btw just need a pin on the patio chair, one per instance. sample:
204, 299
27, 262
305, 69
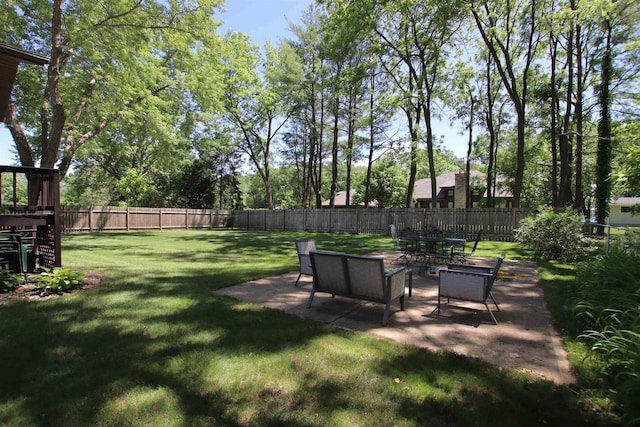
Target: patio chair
407, 248
460, 255
13, 254
469, 283
303, 248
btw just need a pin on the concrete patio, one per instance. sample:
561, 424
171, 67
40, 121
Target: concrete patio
524, 339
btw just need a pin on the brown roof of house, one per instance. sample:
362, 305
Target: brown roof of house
341, 199
422, 188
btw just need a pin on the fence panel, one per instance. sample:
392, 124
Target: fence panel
112, 218
495, 224
142, 219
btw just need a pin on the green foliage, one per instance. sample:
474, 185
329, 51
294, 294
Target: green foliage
135, 189
122, 67
608, 310
388, 184
88, 185
8, 280
59, 279
553, 235
7, 189
628, 175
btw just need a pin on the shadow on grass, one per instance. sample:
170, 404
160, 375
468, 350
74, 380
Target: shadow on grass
154, 346
93, 359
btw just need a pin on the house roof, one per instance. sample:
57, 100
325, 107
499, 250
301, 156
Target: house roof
10, 57
626, 201
341, 199
422, 188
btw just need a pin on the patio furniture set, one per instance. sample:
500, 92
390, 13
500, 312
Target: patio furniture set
365, 277
431, 247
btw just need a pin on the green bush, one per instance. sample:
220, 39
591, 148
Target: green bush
8, 280
59, 279
554, 235
608, 310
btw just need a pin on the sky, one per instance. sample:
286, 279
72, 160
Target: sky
262, 20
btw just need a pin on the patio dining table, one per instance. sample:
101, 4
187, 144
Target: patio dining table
433, 247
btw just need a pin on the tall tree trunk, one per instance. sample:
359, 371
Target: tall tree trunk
492, 136
334, 150
367, 186
554, 107
351, 129
579, 194
566, 150
468, 201
603, 181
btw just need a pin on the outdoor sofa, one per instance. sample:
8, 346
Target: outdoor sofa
358, 277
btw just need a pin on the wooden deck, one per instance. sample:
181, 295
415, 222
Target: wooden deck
39, 220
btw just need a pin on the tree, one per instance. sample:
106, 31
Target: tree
628, 175
106, 60
510, 31
388, 183
255, 109
619, 20
310, 104
413, 35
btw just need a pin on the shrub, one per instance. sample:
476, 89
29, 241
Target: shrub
554, 235
8, 280
60, 279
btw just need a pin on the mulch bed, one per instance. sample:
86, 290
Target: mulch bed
30, 292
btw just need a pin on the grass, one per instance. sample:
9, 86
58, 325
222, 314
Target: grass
153, 346
559, 283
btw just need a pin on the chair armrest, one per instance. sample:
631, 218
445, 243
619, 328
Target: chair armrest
393, 272
470, 272
395, 283
471, 268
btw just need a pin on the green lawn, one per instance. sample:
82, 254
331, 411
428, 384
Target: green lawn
152, 346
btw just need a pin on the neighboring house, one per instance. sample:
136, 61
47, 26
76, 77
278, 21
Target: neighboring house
620, 211
451, 190
341, 200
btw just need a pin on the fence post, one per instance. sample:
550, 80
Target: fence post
126, 219
186, 218
91, 218
160, 218
330, 220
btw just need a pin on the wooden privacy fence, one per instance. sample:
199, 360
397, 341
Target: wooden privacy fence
106, 218
495, 224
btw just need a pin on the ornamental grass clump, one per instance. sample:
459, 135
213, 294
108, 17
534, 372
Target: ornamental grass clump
554, 235
608, 311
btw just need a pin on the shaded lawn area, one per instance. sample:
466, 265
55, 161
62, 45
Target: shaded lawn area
153, 346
